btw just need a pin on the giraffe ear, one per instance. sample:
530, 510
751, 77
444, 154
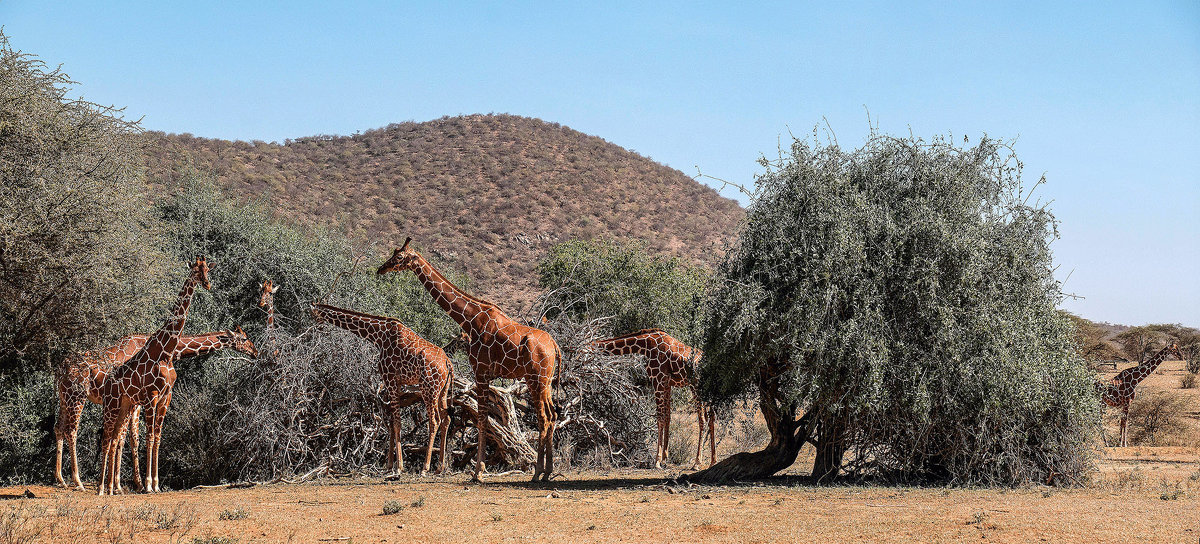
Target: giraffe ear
274, 288
406, 241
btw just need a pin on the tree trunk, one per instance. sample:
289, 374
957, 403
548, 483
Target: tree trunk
788, 435
831, 447
506, 439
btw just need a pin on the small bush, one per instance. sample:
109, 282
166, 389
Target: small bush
1188, 381
1157, 419
213, 539
418, 503
681, 450
234, 514
392, 507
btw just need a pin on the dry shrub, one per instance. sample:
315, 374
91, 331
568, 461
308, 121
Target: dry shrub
1158, 419
1188, 381
681, 450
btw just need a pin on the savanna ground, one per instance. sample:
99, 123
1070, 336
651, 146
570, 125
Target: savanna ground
1138, 494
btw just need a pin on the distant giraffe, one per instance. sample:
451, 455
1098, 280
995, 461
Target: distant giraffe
145, 380
669, 363
267, 301
1120, 389
497, 347
79, 380
405, 359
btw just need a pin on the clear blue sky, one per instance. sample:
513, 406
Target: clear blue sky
1103, 99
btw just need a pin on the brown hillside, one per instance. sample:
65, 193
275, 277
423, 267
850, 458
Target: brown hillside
489, 193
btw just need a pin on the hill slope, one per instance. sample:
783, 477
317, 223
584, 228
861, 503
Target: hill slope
489, 193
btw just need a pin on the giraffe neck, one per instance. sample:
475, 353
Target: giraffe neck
166, 339
182, 303
364, 326
270, 314
191, 346
1147, 368
461, 307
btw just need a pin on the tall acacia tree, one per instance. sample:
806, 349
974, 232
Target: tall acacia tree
77, 261
895, 306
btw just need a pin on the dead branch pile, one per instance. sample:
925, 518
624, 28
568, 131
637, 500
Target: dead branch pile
313, 400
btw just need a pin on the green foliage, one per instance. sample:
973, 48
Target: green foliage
206, 428
590, 279
248, 245
77, 264
1139, 343
902, 293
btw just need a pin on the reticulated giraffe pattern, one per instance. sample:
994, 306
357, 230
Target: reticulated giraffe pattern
669, 364
266, 300
1121, 389
79, 380
405, 359
497, 347
145, 380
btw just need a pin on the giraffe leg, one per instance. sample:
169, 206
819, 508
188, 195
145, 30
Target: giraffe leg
72, 438
390, 458
160, 414
444, 424
397, 435
548, 419
120, 458
434, 423
539, 467
59, 436
662, 402
1125, 426
712, 436
106, 435
481, 387
133, 447
58, 453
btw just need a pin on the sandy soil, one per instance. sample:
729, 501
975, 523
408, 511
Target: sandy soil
1141, 495
1138, 494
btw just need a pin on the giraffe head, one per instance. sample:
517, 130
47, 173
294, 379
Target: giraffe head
240, 342
403, 259
268, 294
200, 270
1173, 349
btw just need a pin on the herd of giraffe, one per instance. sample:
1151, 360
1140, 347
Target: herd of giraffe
135, 378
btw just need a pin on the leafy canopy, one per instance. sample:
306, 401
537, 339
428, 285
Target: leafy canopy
590, 279
903, 293
78, 264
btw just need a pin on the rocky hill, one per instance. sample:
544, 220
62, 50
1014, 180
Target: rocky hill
488, 193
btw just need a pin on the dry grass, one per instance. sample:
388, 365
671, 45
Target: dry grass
1150, 497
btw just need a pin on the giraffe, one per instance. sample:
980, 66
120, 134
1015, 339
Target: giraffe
405, 359
267, 301
497, 347
1120, 389
669, 363
145, 380
79, 380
